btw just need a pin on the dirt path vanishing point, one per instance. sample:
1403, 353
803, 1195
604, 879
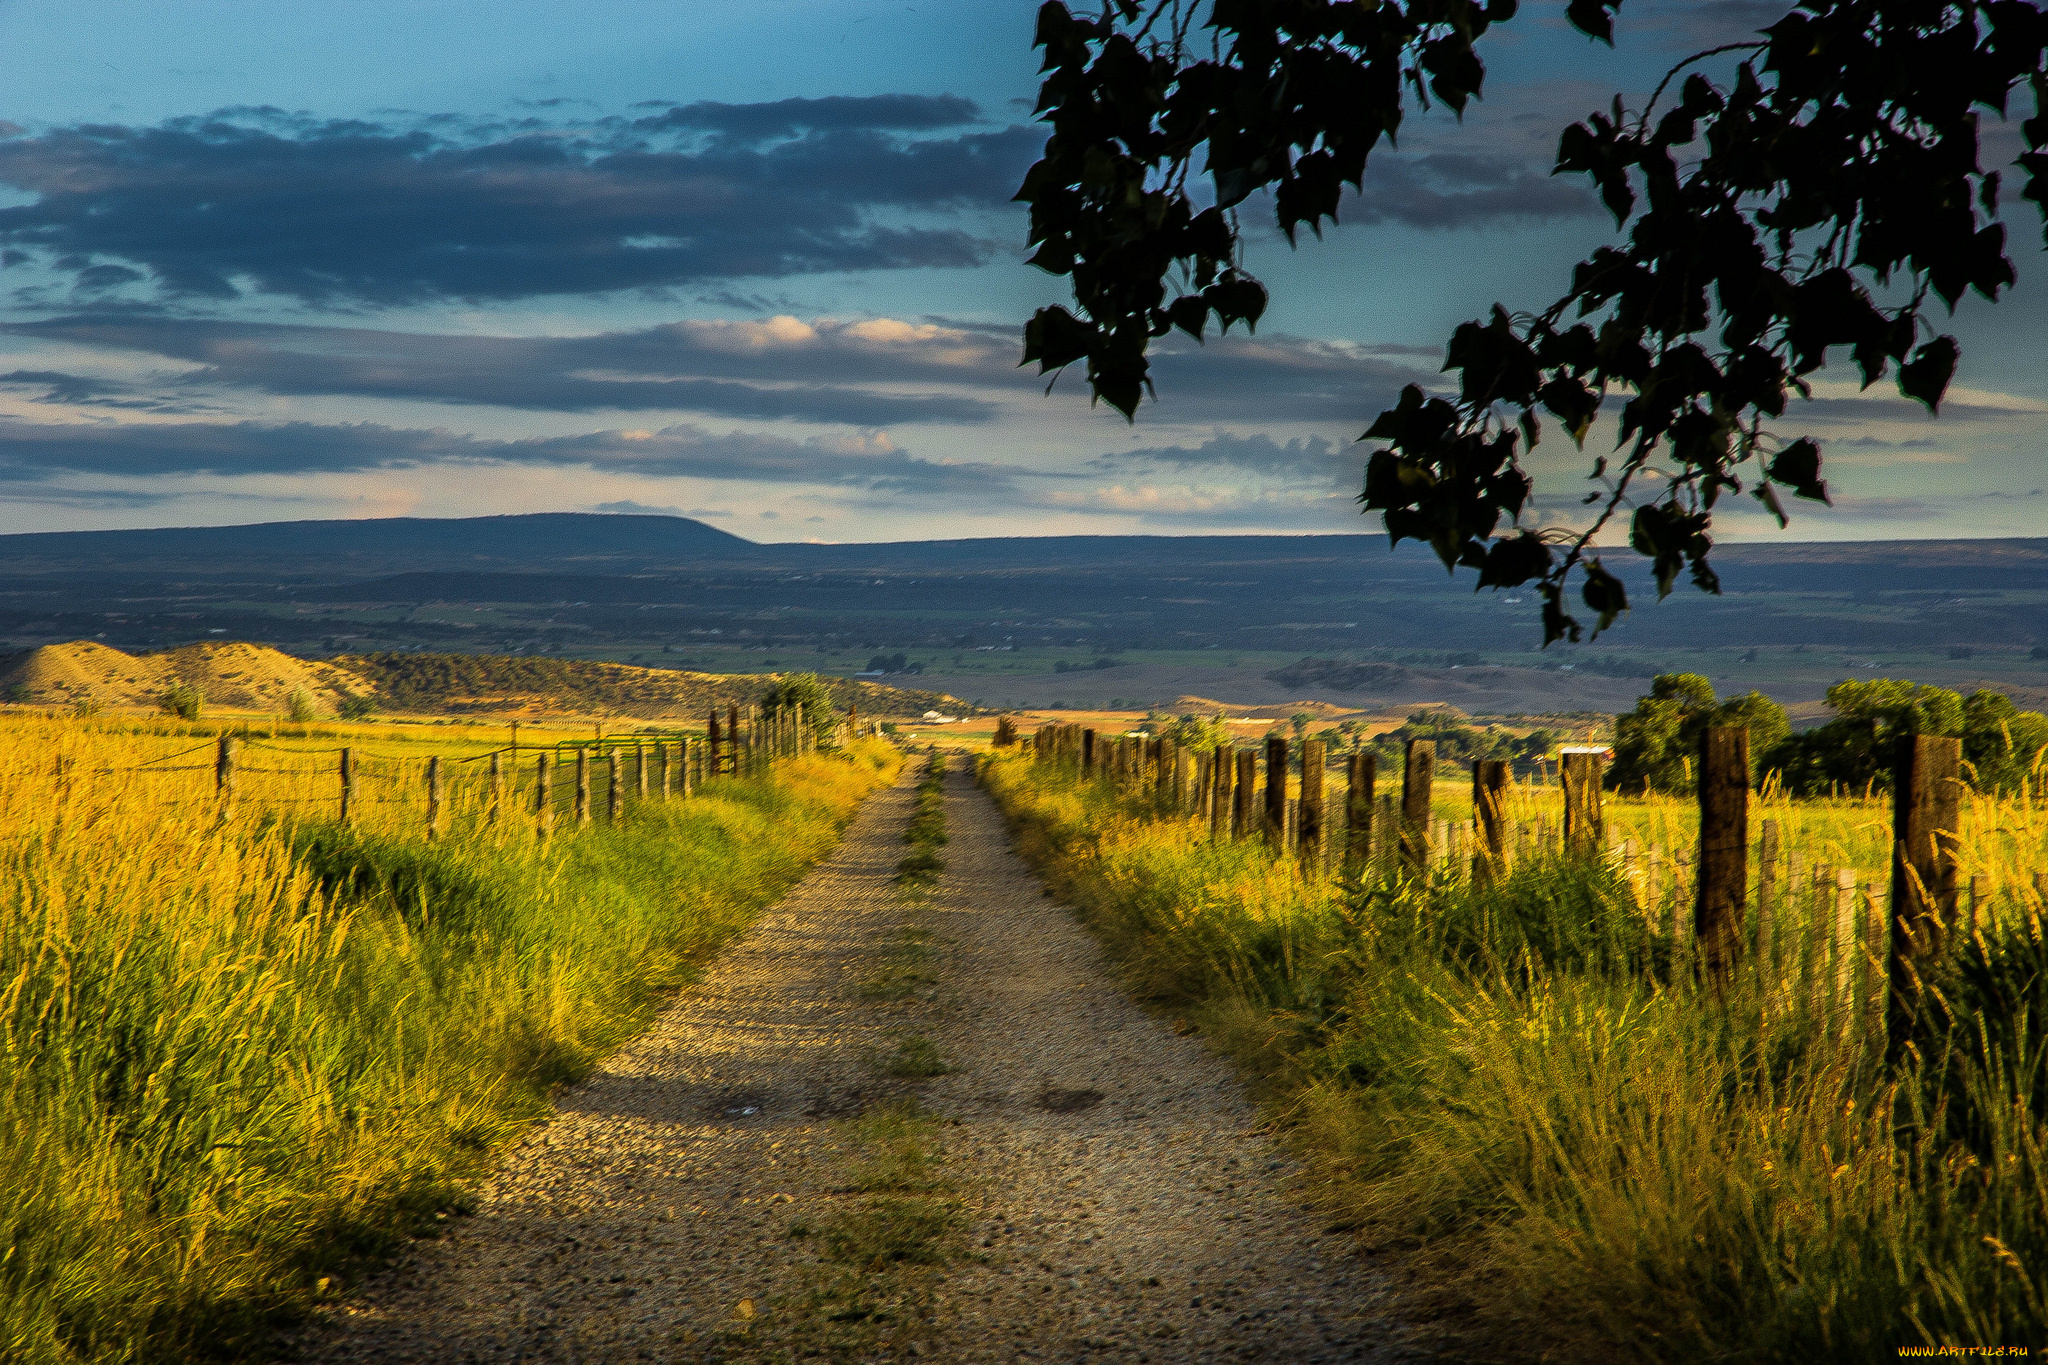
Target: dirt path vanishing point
1118, 1203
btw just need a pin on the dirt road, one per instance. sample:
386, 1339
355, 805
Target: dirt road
1116, 1200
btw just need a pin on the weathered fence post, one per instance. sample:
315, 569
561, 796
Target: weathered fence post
1244, 792
348, 785
1848, 943
434, 797
224, 770
614, 789
544, 791
495, 787
1926, 811
1416, 781
1222, 786
1087, 753
639, 770
667, 778
582, 807
1360, 771
1489, 794
1766, 886
1722, 884
1276, 791
711, 742
1309, 827
1583, 826
732, 739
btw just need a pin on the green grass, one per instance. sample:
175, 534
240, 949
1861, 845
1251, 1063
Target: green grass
919, 869
245, 1059
1587, 1152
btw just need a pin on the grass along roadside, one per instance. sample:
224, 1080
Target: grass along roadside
1518, 1083
248, 1056
883, 1248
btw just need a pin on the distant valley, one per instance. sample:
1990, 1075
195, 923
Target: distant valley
1129, 621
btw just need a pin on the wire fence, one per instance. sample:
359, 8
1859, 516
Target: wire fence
52, 763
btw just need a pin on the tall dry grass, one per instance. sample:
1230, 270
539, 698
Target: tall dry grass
245, 1054
1528, 1083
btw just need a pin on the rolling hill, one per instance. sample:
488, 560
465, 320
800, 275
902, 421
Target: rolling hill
236, 676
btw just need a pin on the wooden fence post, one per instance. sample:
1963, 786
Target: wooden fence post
667, 788
582, 807
348, 785
1583, 825
711, 741
639, 770
1309, 826
496, 786
1416, 781
434, 797
1276, 791
1848, 943
614, 789
544, 791
1244, 792
1360, 771
1766, 886
224, 770
1087, 753
1489, 794
732, 739
1927, 806
1722, 884
1222, 785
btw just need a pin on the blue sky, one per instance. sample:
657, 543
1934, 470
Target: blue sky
754, 262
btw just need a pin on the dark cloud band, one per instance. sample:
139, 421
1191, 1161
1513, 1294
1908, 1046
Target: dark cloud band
384, 214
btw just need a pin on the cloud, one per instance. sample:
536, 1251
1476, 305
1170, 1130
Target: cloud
866, 372
626, 507
828, 371
386, 213
1311, 461
867, 462
1450, 189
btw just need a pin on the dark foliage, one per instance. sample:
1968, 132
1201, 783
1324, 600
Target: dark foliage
1657, 744
1838, 156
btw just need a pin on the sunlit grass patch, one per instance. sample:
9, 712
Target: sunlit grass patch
246, 1054
1531, 1082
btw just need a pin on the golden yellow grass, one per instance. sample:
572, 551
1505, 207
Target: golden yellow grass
244, 1053
1589, 1153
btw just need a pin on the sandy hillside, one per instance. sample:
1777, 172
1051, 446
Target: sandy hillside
1344, 687
234, 675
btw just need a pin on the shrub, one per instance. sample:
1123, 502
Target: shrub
183, 701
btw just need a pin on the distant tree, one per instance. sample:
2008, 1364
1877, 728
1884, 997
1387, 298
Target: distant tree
183, 701
1199, 732
354, 707
1657, 744
808, 691
2002, 745
20, 694
1299, 722
299, 707
1839, 154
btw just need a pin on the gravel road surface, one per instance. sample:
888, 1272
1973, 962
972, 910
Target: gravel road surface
1122, 1204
